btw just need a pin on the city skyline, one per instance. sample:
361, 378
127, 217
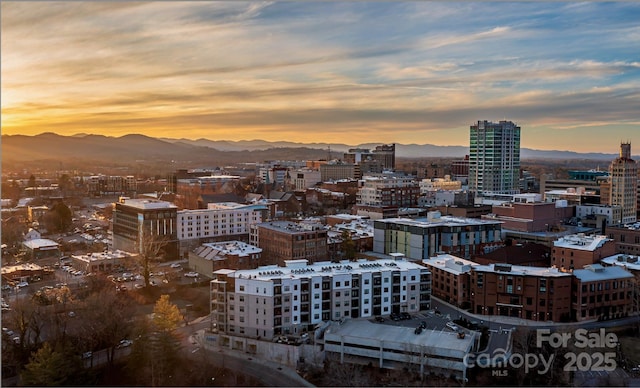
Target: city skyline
344, 72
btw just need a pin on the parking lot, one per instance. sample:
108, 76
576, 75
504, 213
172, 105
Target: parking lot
432, 319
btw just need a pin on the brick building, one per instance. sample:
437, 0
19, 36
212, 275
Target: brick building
284, 240
538, 294
577, 250
450, 278
626, 238
601, 292
211, 257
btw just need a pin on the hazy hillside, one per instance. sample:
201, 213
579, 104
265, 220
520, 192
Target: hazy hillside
17, 149
136, 148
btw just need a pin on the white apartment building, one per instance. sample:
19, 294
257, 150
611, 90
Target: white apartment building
226, 221
273, 300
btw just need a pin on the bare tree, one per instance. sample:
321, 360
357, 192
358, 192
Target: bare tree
105, 318
151, 250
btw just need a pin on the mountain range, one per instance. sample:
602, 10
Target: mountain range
134, 147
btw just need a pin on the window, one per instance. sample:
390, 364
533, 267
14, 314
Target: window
241, 288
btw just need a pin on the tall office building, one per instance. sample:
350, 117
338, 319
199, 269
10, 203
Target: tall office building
624, 184
494, 158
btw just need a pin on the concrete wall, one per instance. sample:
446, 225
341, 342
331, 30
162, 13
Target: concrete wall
284, 354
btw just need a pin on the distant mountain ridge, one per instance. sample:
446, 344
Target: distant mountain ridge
133, 147
402, 150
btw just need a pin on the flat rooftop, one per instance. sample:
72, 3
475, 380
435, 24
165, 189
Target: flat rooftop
450, 263
629, 262
581, 242
147, 204
302, 270
214, 251
521, 270
596, 272
364, 330
438, 221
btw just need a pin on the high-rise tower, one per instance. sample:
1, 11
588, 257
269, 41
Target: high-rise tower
494, 158
624, 184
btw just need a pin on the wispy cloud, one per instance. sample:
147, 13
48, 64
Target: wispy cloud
393, 71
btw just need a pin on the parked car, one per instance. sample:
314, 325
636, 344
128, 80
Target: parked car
405, 316
191, 274
86, 355
22, 284
175, 265
452, 326
379, 319
124, 343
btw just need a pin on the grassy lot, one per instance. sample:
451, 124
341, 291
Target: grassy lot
191, 299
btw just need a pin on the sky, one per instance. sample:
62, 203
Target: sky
338, 72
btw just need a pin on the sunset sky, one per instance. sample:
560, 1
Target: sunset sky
344, 72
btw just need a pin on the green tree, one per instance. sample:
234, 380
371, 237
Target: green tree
58, 218
53, 367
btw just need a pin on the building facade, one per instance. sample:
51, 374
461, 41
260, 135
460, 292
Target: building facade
210, 257
138, 220
291, 299
627, 238
283, 240
539, 294
494, 158
388, 191
420, 239
221, 221
334, 171
624, 184
450, 279
601, 292
578, 250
